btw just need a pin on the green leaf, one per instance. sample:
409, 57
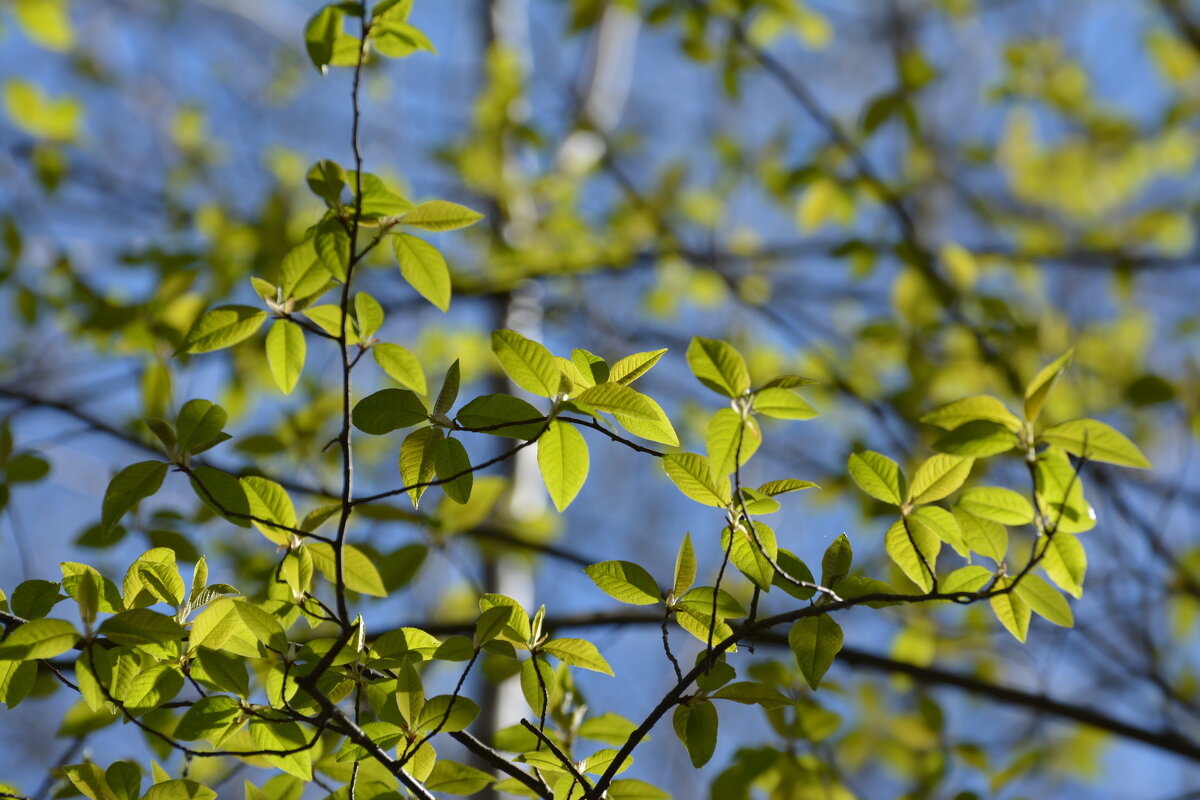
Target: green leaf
378, 200
971, 409
1095, 441
563, 459
142, 626
38, 638
625, 581
1012, 611
454, 778
718, 366
130, 486
968, 579
982, 536
152, 687
911, 549
451, 713
325, 178
785, 485
440, 215
815, 641
590, 367
518, 629
940, 523
89, 780
418, 460
1060, 492
538, 684
502, 415
658, 429
35, 598
423, 266
979, 439
836, 562
179, 790
999, 505
696, 726
753, 561
449, 391
1065, 562
1041, 386
320, 34
752, 693
225, 672
209, 718
270, 502
451, 459
685, 568
632, 367
617, 399
578, 653
937, 477
878, 476
283, 735
222, 327
124, 779
530, 365
360, 573
633, 789
328, 318
1045, 600
693, 475
490, 623
401, 366
388, 410
332, 245
798, 570
286, 351
730, 439
221, 492
198, 424
782, 404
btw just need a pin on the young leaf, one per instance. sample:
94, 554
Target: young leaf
400, 365
731, 440
449, 391
440, 215
626, 582
785, 485
369, 315
937, 477
418, 460
388, 410
878, 476
657, 429
451, 459
127, 488
1060, 492
915, 550
982, 536
835, 564
325, 178
979, 439
320, 33
502, 415
1095, 441
940, 523
589, 366
423, 266
685, 567
563, 460
1045, 601
999, 505
222, 327
454, 778
38, 638
578, 653
969, 409
269, 501
752, 560
1041, 386
718, 366
696, 726
1012, 611
617, 399
198, 424
530, 365
782, 404
815, 641
632, 367
1065, 561
693, 475
286, 352
283, 735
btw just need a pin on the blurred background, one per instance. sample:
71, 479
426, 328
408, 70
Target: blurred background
908, 200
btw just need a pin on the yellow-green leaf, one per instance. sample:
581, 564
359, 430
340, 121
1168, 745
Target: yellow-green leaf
286, 351
423, 266
563, 460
